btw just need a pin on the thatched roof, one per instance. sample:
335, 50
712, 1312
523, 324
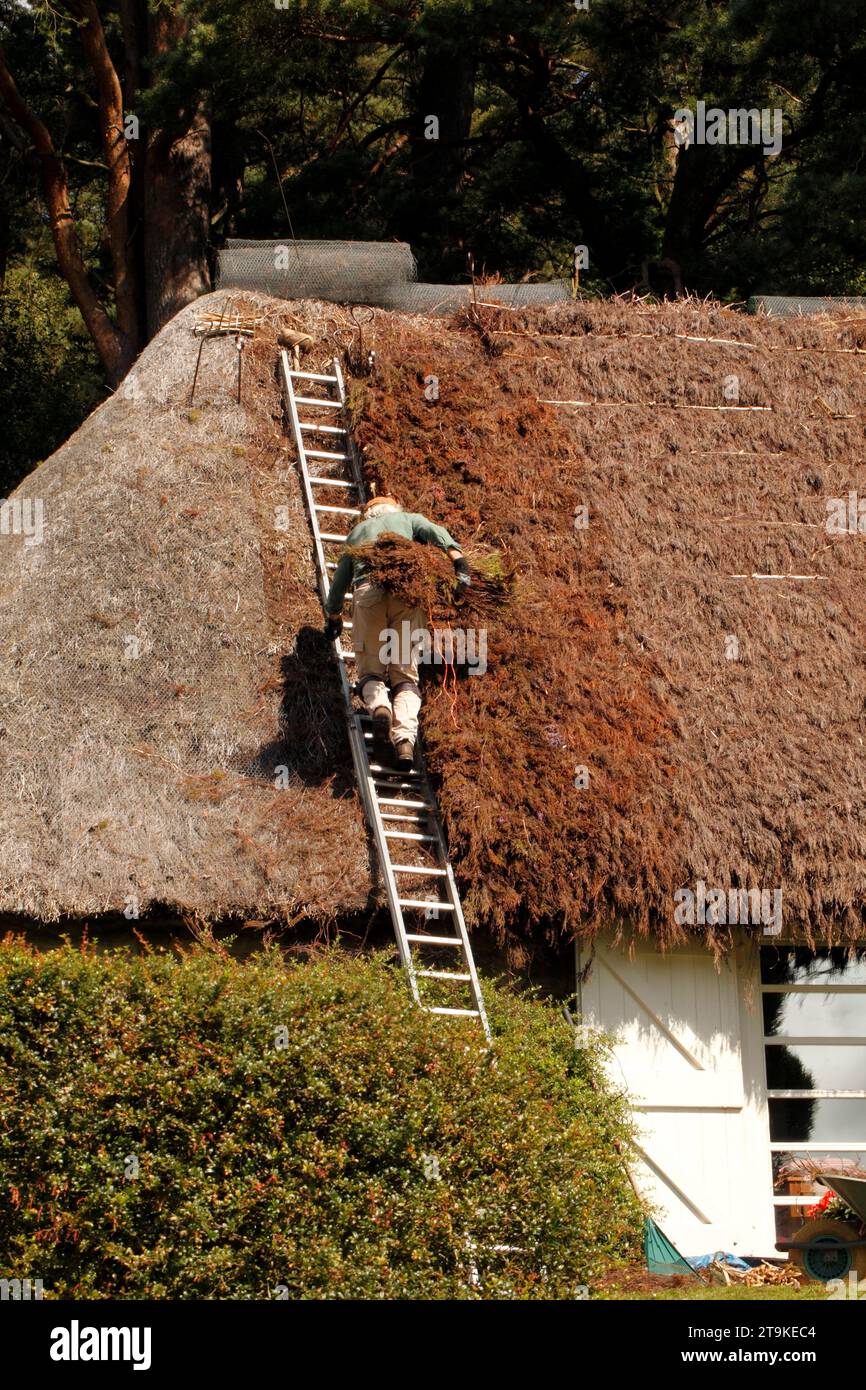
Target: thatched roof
159, 665
721, 719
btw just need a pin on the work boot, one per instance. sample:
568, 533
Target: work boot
382, 723
404, 751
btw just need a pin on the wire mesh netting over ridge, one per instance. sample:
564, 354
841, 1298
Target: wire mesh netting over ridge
380, 273
794, 306
343, 271
440, 299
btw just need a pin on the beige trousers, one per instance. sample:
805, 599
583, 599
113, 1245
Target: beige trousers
382, 628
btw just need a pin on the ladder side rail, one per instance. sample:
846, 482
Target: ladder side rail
462, 932
458, 920
374, 820
453, 895
289, 393
351, 446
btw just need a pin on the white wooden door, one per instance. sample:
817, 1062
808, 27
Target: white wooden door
687, 1049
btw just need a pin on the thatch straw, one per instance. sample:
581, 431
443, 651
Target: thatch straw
739, 772
611, 651
162, 660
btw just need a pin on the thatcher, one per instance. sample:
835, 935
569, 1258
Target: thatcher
651, 717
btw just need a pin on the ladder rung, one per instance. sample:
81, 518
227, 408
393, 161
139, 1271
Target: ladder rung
314, 376
333, 482
331, 536
314, 400
387, 815
442, 975
324, 454
436, 940
426, 902
419, 869
346, 511
407, 834
346, 656
330, 564
390, 771
325, 429
395, 801
454, 1013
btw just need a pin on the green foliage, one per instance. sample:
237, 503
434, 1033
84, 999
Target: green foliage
304, 1158
49, 375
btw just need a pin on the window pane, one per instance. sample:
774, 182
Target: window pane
782, 965
817, 1015
794, 1173
816, 1068
828, 1120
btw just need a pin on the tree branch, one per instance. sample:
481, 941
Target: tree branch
55, 187
116, 150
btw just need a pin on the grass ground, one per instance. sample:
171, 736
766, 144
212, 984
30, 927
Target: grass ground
636, 1283
719, 1294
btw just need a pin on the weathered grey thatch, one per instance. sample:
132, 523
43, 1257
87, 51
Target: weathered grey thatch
145, 649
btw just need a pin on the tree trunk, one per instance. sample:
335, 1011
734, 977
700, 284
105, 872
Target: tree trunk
177, 197
116, 150
4, 240
177, 229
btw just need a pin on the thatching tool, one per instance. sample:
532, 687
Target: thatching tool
297, 342
239, 345
195, 377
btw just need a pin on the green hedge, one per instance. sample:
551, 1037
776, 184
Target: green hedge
199, 1128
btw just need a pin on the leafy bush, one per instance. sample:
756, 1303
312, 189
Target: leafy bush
199, 1128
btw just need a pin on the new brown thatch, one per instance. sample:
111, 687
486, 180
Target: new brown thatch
719, 717
172, 732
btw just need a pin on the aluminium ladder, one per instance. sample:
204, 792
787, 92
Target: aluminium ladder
400, 806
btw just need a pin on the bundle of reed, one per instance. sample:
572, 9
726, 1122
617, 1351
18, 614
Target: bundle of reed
424, 577
210, 323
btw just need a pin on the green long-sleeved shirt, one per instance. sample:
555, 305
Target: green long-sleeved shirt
412, 525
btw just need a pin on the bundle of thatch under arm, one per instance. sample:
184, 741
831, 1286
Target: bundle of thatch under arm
424, 577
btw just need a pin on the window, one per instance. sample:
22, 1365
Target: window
814, 1005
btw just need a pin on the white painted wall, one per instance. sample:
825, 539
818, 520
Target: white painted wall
689, 1051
